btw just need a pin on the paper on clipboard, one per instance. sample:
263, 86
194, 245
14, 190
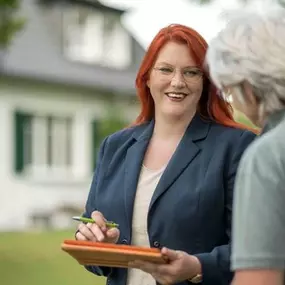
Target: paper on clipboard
112, 255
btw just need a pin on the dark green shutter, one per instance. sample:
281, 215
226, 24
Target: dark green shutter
95, 142
20, 119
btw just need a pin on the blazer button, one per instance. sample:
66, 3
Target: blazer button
124, 241
156, 244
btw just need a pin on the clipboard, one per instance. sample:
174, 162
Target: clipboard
111, 255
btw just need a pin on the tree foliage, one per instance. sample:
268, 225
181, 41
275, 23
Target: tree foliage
112, 123
10, 21
281, 2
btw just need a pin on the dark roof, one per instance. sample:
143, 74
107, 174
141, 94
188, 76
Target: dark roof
36, 53
91, 3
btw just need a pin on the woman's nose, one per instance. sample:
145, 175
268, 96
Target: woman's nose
178, 80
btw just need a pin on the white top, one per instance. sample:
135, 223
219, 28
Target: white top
147, 183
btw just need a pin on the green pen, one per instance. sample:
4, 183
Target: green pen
109, 224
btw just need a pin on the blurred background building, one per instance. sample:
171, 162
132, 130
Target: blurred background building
67, 80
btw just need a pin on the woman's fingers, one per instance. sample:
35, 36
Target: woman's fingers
99, 220
85, 231
80, 236
97, 232
113, 234
94, 233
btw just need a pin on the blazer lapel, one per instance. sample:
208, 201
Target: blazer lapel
186, 151
133, 162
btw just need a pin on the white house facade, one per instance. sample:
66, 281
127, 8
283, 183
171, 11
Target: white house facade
51, 104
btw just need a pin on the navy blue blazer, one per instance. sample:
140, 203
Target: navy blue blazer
191, 208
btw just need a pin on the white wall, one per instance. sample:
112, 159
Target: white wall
20, 196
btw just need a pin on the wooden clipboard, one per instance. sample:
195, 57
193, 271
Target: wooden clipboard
112, 255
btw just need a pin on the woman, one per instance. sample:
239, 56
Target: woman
168, 180
247, 60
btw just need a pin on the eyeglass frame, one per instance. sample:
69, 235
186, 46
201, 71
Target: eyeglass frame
200, 75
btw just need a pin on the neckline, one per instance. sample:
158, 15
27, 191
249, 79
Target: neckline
154, 170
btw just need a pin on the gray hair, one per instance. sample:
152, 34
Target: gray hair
252, 48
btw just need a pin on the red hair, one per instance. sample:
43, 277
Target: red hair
211, 105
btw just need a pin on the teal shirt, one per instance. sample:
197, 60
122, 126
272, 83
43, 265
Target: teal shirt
259, 201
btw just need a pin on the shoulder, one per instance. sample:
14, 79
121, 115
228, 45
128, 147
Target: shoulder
263, 164
127, 133
233, 139
123, 136
266, 154
260, 181
231, 133
274, 139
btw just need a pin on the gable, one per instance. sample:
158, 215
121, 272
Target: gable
90, 57
94, 36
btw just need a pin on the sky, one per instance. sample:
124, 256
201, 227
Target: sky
146, 17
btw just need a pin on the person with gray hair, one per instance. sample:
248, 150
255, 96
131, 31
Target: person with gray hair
247, 61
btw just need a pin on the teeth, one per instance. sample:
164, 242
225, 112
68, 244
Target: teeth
175, 95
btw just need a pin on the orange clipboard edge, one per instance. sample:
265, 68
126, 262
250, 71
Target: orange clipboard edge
112, 255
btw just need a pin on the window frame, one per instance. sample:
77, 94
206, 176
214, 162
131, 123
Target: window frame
103, 59
24, 163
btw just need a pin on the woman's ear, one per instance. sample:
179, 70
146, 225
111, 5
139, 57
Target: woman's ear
147, 83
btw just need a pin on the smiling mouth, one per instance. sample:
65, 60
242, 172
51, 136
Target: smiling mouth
176, 95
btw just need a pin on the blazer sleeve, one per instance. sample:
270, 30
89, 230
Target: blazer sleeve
216, 264
91, 206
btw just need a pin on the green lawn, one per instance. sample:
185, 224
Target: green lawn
37, 259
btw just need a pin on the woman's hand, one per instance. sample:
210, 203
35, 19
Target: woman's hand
181, 266
97, 231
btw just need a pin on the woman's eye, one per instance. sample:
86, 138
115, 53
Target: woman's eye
165, 70
191, 72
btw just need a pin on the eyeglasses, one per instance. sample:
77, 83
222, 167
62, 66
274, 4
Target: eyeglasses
189, 75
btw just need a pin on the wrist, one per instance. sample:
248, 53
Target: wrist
196, 266
196, 272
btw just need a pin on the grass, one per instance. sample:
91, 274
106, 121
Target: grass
36, 258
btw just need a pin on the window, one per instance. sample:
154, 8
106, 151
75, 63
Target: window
42, 144
95, 37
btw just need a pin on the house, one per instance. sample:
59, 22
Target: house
72, 66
